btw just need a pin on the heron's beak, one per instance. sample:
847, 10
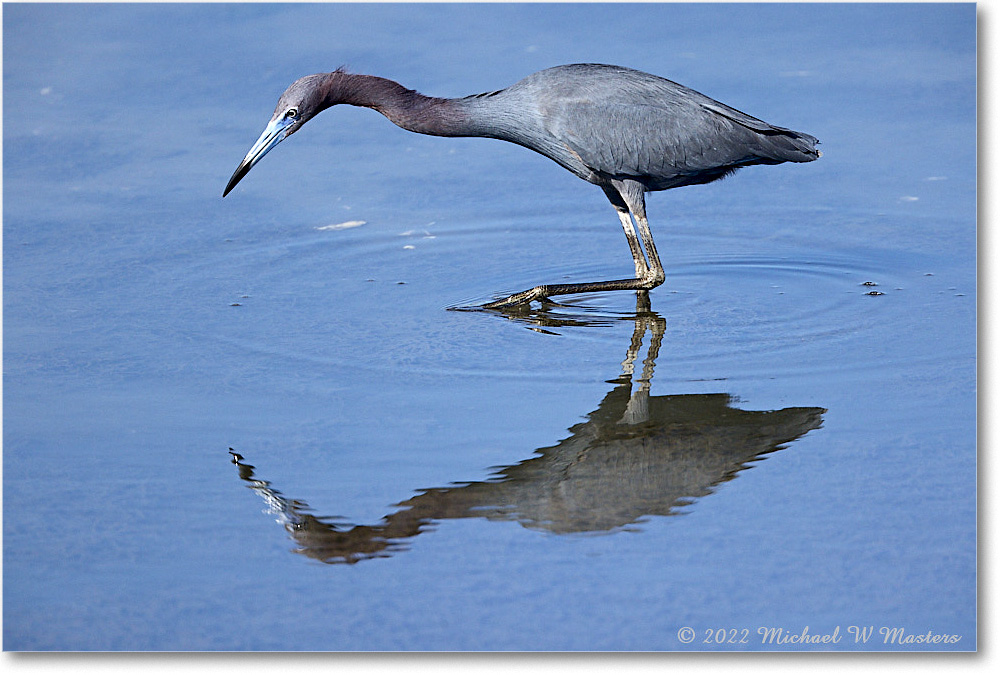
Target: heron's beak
274, 133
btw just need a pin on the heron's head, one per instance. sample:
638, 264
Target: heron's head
301, 102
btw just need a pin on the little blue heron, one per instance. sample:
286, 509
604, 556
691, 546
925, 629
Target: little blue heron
626, 131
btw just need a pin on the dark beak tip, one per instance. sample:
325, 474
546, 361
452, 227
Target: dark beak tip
241, 171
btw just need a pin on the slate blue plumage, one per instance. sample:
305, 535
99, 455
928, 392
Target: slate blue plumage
623, 130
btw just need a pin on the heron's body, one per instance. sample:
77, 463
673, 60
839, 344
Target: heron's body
626, 131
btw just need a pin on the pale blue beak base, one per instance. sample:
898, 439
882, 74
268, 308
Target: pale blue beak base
274, 133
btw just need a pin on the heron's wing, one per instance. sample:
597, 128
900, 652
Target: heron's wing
664, 134
654, 142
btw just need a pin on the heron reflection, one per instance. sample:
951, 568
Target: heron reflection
634, 457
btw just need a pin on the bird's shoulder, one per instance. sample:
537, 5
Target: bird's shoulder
599, 83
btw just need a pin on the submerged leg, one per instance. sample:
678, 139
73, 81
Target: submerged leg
626, 196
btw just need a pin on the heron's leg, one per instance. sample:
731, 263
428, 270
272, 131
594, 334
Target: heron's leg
641, 268
626, 196
656, 267
621, 208
632, 194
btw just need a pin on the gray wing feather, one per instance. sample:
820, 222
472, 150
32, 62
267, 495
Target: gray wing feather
648, 140
622, 122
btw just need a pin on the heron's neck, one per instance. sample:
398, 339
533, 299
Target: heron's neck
404, 107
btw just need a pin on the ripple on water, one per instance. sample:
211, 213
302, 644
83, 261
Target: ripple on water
323, 296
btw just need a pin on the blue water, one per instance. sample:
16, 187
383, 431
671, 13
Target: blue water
771, 449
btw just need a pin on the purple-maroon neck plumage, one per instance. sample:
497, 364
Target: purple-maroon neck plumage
404, 107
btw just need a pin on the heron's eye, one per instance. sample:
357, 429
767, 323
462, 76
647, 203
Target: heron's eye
291, 113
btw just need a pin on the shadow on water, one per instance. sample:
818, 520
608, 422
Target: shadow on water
636, 456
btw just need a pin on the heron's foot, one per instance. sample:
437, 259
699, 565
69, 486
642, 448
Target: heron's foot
539, 293
647, 282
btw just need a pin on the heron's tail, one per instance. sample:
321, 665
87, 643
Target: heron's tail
785, 145
774, 145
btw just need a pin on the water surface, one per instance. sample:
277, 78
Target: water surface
783, 438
